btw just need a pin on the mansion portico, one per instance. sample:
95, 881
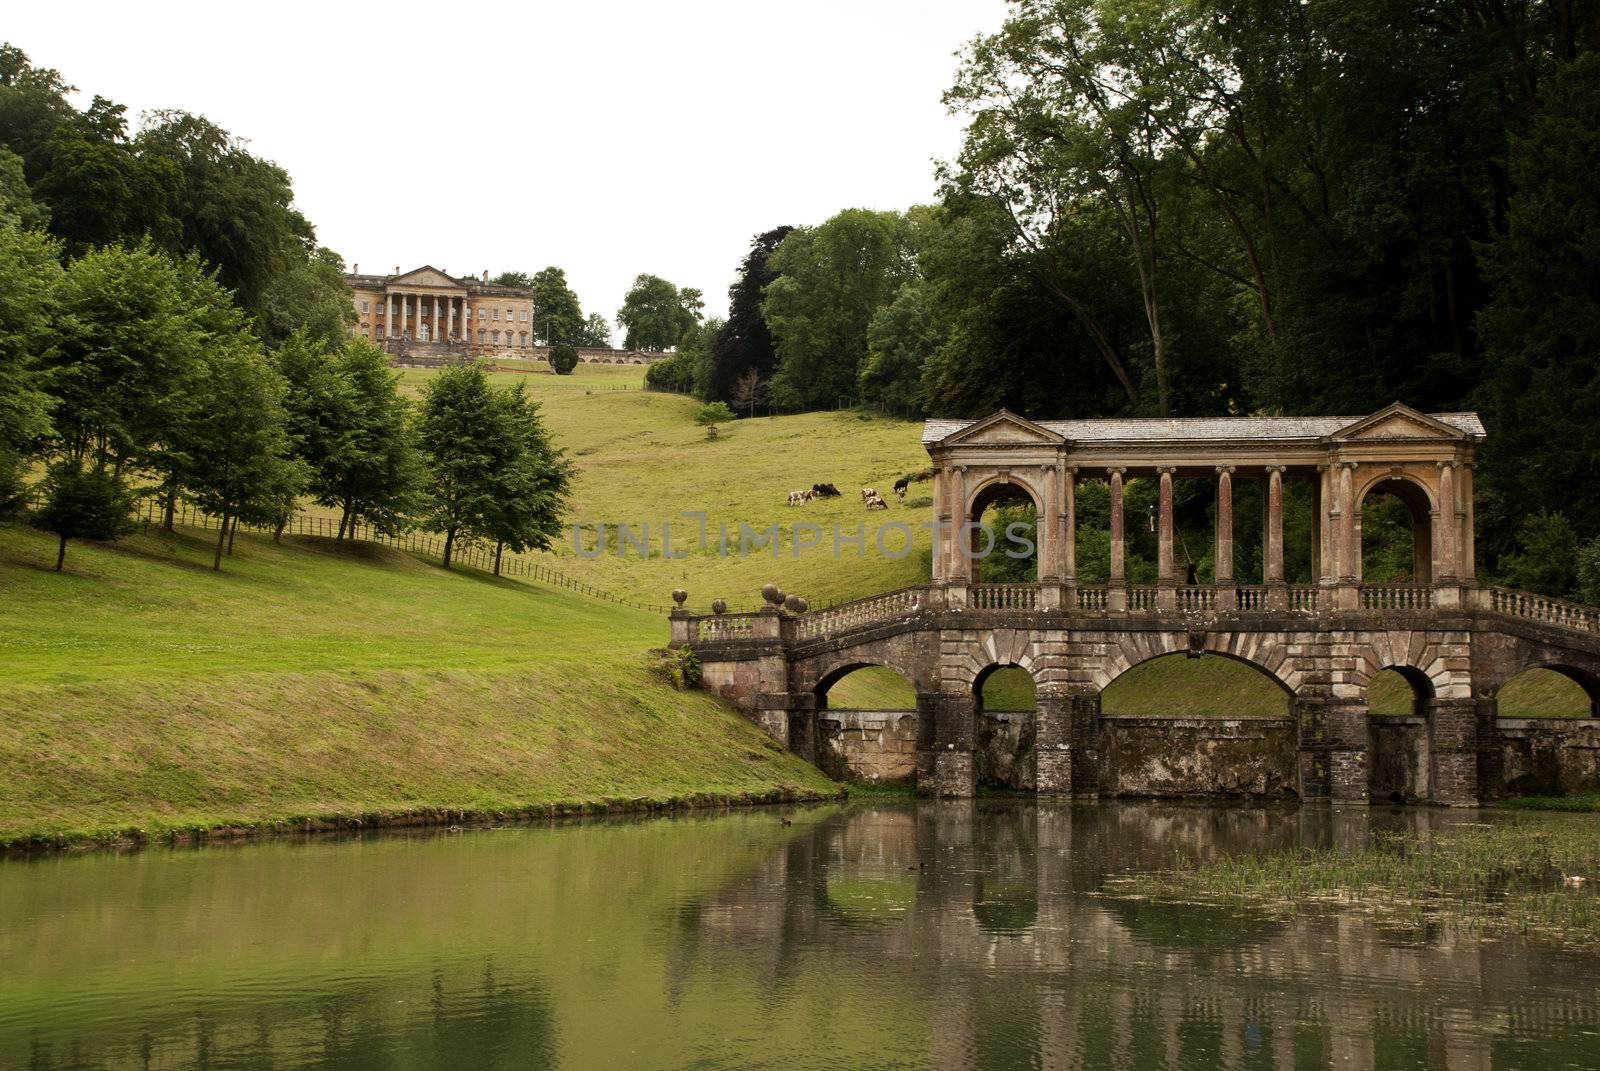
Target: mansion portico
429, 311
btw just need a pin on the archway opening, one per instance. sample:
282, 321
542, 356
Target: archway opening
867, 725
1396, 534
1179, 686
1397, 735
1004, 699
1005, 544
1548, 692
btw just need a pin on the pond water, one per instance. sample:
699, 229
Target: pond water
936, 935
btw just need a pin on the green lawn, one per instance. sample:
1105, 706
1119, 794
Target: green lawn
144, 690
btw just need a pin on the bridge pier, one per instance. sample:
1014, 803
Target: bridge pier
1453, 747
946, 763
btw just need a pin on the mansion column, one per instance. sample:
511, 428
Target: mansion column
1117, 593
1166, 560
388, 316
1272, 557
450, 328
1227, 592
405, 316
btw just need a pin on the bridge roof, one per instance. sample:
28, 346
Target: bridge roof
1200, 429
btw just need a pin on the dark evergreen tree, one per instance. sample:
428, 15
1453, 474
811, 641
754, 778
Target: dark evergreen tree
744, 343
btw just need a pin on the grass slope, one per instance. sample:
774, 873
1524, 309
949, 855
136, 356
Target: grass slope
144, 690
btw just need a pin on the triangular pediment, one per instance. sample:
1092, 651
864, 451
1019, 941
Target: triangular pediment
1002, 429
1397, 422
427, 275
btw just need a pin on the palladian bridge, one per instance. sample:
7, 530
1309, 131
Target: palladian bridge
1455, 642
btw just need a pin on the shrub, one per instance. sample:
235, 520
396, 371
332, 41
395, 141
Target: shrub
1547, 558
713, 413
1589, 572
83, 503
675, 373
919, 503
563, 358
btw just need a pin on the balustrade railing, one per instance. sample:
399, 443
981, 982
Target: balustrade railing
1396, 597
723, 627
1195, 599
1091, 598
861, 612
1004, 596
1544, 609
1141, 598
1251, 597
1303, 598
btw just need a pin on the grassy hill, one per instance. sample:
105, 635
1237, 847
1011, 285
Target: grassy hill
143, 690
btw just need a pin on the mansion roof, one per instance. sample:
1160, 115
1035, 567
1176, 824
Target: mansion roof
1395, 421
428, 277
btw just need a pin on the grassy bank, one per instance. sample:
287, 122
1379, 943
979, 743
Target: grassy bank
145, 692
1525, 875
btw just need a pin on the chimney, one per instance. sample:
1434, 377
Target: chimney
486, 275
397, 269
355, 269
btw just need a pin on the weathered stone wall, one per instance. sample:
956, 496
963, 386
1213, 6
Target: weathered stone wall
1005, 750
878, 746
1543, 756
1397, 758
1230, 757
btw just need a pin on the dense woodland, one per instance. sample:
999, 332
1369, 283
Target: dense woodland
1218, 207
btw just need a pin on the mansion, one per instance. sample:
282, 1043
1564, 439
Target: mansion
426, 311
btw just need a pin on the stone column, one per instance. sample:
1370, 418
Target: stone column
1069, 538
1317, 527
1166, 559
1272, 558
1491, 756
1453, 748
1045, 527
1227, 591
1447, 528
388, 316
1052, 749
1347, 539
1117, 594
1467, 566
945, 765
433, 327
450, 327
960, 540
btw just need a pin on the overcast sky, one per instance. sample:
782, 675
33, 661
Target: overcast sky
609, 138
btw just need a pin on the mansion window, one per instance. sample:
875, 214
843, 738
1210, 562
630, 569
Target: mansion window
482, 334
480, 314
523, 315
366, 306
497, 314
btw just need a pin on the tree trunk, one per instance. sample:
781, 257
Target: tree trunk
233, 530
222, 536
449, 545
497, 547
277, 534
172, 506
61, 554
344, 522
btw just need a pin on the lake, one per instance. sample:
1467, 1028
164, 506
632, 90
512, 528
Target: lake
954, 934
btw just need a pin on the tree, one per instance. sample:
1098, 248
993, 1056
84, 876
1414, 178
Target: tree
351, 426
744, 344
234, 447
532, 478
655, 314
831, 280
694, 350
30, 281
596, 332
83, 503
309, 295
710, 415
457, 432
901, 336
563, 359
749, 391
557, 317
17, 206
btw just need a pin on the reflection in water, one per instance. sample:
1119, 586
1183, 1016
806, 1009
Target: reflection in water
942, 935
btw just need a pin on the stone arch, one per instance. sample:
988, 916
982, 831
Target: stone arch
1586, 679
976, 653
843, 668
1443, 660
876, 744
1399, 747
989, 491
1265, 652
1420, 502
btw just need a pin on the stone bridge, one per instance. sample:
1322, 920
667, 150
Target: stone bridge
1322, 642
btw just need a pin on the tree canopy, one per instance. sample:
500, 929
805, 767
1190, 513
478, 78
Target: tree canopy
655, 314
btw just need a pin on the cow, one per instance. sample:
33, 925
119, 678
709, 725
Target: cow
797, 497
825, 490
876, 503
868, 494
900, 486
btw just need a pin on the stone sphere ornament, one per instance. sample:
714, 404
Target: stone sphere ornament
679, 595
719, 606
795, 604
772, 594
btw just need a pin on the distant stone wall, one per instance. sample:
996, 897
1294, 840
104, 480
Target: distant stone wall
1226, 757
878, 746
1547, 756
1397, 757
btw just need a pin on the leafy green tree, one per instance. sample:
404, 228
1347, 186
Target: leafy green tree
83, 503
675, 373
563, 358
234, 447
98, 188
1546, 558
520, 279
710, 415
350, 424
655, 314
900, 338
744, 344
457, 432
30, 282
17, 206
557, 317
596, 332
832, 279
695, 350
309, 295
531, 483
1589, 572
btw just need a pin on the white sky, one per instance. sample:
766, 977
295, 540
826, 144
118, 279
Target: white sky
609, 138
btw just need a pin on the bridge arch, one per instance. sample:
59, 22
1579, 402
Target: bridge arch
875, 738
1587, 680
999, 490
1128, 650
1418, 500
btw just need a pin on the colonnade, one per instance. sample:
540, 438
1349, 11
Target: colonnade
407, 314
